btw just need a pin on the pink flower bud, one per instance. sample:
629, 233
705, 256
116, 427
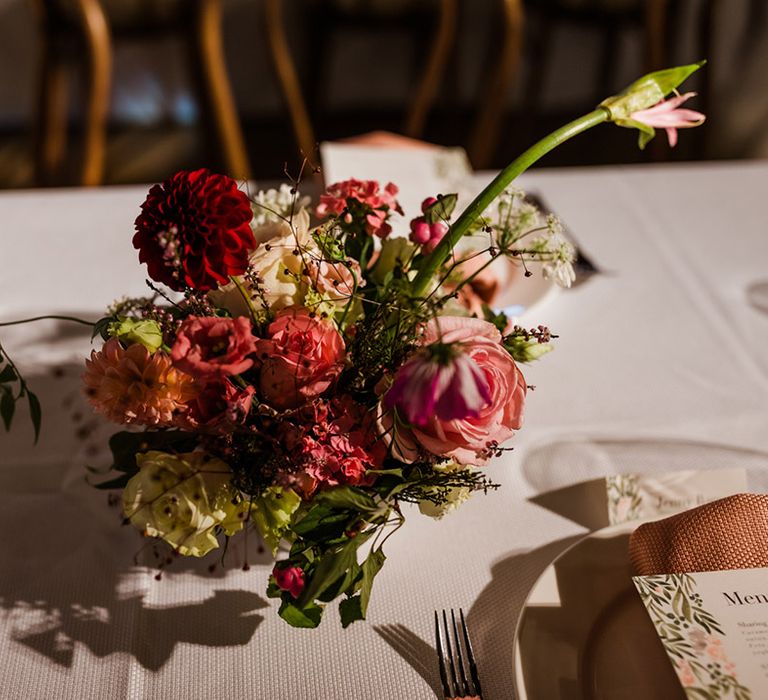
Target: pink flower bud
427, 203
420, 231
290, 579
347, 218
436, 233
437, 230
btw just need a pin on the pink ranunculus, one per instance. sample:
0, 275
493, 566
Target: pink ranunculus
209, 348
289, 578
301, 358
468, 440
445, 382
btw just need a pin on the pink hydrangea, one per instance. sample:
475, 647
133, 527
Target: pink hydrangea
331, 443
361, 202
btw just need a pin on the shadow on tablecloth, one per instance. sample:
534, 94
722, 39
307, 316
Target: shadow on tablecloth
71, 575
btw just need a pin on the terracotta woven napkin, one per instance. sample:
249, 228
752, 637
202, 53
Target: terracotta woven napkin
731, 533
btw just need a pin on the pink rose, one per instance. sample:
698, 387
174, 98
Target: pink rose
211, 348
468, 440
290, 578
301, 358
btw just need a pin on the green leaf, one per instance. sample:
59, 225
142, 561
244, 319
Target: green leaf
7, 374
7, 408
348, 582
308, 617
347, 497
331, 567
442, 209
125, 446
350, 611
101, 327
322, 523
371, 566
273, 590
35, 412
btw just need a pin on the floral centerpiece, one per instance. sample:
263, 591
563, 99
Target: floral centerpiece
307, 376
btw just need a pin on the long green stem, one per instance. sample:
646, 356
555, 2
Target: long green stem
42, 318
495, 188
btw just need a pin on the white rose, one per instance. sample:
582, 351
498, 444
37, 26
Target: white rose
283, 251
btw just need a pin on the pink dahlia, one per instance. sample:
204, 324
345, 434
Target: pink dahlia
133, 386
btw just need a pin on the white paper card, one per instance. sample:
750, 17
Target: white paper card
714, 628
418, 172
621, 498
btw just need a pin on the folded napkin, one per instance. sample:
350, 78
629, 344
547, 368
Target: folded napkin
731, 533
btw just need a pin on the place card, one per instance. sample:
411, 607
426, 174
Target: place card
714, 628
420, 172
621, 498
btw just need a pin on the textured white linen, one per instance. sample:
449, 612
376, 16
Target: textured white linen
661, 364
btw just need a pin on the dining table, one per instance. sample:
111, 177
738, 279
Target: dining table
660, 364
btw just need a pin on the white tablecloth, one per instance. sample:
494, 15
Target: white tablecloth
661, 364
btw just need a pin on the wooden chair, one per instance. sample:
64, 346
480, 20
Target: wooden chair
82, 32
490, 110
290, 85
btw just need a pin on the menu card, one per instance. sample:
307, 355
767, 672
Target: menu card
621, 498
714, 628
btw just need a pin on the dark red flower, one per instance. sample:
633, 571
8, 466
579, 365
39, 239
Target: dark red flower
218, 407
194, 231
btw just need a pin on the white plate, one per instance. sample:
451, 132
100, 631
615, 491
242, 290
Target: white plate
524, 293
583, 633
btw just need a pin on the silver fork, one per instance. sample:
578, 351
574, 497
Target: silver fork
462, 683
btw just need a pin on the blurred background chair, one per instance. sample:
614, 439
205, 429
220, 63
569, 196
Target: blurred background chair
81, 33
420, 19
489, 75
328, 19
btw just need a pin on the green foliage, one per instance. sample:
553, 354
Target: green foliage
308, 616
126, 445
272, 513
13, 388
442, 209
101, 327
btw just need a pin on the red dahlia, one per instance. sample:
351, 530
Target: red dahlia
194, 231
